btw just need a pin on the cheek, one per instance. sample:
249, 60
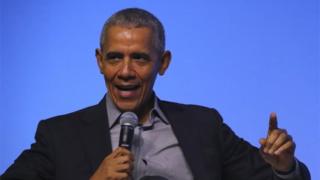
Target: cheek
147, 77
146, 74
109, 73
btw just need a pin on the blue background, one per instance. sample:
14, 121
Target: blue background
245, 58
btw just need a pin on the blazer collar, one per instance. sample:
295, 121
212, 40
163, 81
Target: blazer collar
95, 134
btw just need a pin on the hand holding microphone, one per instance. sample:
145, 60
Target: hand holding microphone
119, 164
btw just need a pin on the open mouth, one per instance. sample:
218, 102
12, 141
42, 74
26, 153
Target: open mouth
127, 87
127, 91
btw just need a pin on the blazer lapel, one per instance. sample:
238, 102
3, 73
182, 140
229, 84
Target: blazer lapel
95, 134
187, 137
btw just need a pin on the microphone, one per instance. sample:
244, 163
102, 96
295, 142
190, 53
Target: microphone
128, 121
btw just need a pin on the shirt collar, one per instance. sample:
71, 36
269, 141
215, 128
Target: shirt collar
156, 109
114, 113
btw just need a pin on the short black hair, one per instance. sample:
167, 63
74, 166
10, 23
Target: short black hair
136, 17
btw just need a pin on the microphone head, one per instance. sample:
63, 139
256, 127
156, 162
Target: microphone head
129, 119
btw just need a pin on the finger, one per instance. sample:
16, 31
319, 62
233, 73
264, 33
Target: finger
268, 157
125, 155
123, 159
262, 141
287, 147
271, 139
282, 139
273, 123
113, 155
123, 168
122, 152
121, 175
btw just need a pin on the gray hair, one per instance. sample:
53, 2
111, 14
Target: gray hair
135, 17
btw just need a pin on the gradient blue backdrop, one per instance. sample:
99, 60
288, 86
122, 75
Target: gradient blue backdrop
246, 58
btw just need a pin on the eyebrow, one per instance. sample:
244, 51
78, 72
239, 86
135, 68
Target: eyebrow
140, 54
112, 54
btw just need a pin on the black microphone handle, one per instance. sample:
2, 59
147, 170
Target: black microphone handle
126, 136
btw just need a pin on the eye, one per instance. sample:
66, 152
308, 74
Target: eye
140, 57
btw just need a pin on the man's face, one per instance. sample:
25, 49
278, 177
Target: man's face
130, 64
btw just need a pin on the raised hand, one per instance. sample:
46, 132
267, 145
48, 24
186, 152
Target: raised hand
278, 147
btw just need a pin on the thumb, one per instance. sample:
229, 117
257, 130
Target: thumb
273, 122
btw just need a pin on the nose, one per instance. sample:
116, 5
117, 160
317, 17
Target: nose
126, 71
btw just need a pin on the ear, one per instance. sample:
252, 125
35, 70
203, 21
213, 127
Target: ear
165, 62
99, 58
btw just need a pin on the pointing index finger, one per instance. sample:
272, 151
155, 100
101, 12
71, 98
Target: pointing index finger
273, 123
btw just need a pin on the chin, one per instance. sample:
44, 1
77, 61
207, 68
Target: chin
127, 106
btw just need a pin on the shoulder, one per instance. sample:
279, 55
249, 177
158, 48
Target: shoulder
193, 108
194, 113
64, 130
72, 118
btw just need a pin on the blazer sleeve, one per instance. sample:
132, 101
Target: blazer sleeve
35, 163
242, 161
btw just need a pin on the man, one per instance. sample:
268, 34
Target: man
172, 141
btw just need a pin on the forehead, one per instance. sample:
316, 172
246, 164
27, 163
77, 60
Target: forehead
128, 36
